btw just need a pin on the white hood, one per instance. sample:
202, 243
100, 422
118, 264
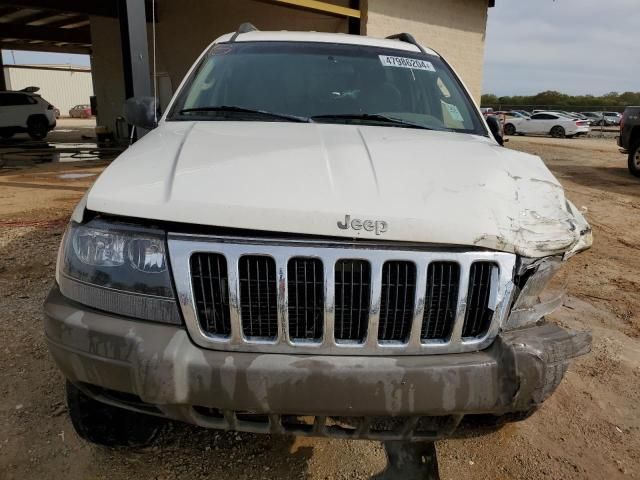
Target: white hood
430, 187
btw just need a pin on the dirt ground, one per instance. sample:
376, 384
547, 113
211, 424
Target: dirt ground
590, 428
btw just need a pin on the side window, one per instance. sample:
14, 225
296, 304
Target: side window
16, 99
543, 116
13, 99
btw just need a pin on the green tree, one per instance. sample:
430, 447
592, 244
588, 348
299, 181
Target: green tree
562, 101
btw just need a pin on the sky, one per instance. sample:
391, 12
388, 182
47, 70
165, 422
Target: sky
573, 46
23, 57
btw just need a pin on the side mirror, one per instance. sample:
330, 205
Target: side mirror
141, 112
496, 131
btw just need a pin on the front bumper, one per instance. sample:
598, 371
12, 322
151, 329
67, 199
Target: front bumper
168, 375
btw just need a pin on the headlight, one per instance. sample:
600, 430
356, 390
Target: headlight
543, 290
119, 269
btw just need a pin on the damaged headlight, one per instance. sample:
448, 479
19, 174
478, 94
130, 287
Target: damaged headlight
118, 268
543, 285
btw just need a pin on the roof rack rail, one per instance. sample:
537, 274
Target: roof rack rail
244, 28
406, 37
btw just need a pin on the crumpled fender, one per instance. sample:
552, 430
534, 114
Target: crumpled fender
540, 359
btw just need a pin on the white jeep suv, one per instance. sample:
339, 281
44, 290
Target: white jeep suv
321, 237
25, 111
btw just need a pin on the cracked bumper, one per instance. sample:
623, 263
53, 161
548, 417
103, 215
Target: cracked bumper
160, 365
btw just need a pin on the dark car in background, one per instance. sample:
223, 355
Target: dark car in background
629, 139
80, 111
594, 117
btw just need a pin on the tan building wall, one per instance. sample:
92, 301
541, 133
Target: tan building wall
454, 28
182, 35
63, 87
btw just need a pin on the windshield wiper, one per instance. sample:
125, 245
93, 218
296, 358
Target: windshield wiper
234, 109
375, 117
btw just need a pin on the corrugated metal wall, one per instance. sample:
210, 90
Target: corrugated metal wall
63, 88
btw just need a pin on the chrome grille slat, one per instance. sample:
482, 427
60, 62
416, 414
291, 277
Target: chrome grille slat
416, 310
234, 294
375, 301
282, 296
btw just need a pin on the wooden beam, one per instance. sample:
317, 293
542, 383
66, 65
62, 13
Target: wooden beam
62, 20
25, 19
47, 34
55, 69
45, 47
104, 8
81, 23
53, 19
318, 6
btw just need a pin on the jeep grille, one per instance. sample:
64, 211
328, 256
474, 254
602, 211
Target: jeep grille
332, 298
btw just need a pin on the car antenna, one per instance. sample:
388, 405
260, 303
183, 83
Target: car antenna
244, 28
406, 37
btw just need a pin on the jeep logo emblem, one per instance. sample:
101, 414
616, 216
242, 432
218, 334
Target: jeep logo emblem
377, 226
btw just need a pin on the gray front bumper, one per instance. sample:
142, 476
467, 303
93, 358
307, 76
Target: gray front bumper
159, 364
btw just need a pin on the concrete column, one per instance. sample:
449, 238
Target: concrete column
135, 50
3, 83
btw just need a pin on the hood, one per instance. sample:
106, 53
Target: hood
395, 184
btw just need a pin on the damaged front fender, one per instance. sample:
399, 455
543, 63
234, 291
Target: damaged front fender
538, 222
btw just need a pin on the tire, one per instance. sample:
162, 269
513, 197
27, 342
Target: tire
634, 159
558, 132
509, 129
37, 128
110, 426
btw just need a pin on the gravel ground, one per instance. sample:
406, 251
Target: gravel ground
590, 428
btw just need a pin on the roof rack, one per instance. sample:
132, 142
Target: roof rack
244, 28
406, 37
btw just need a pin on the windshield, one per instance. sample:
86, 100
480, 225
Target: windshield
327, 83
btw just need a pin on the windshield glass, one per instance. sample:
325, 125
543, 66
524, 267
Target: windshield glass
325, 82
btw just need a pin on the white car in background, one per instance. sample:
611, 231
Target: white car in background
547, 123
25, 112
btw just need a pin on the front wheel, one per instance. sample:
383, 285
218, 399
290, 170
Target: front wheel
103, 424
558, 132
509, 129
634, 159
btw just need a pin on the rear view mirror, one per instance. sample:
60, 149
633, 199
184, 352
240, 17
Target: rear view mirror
496, 131
141, 112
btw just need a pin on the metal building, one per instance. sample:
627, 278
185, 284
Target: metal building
63, 86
